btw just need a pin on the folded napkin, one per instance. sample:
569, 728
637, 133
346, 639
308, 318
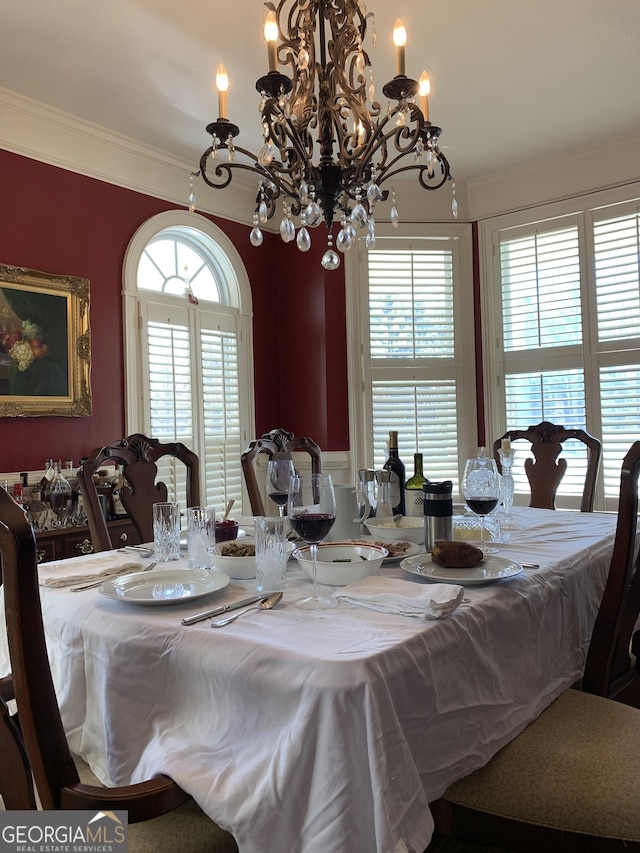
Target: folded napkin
390, 595
53, 578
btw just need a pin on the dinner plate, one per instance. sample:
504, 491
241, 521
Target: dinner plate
490, 570
169, 586
412, 549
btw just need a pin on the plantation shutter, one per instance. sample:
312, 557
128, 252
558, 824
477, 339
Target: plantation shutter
413, 369
170, 393
542, 337
541, 305
221, 414
194, 356
570, 320
616, 244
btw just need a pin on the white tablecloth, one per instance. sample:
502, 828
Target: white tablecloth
328, 731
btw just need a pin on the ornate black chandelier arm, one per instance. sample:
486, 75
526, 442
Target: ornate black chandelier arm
431, 155
274, 184
422, 169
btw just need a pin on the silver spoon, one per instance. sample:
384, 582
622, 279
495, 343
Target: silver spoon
265, 604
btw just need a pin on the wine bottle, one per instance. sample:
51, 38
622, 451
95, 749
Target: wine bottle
413, 495
396, 466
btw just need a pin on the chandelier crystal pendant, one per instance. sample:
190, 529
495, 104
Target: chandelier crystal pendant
328, 146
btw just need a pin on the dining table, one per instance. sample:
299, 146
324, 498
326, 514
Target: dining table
310, 732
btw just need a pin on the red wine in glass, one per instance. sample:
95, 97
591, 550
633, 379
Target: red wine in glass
482, 506
481, 486
312, 526
279, 498
312, 512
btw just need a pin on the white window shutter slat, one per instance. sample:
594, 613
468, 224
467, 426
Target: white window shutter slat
412, 332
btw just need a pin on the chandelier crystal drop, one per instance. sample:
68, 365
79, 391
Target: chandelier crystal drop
329, 148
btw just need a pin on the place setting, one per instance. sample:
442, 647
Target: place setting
173, 584
456, 559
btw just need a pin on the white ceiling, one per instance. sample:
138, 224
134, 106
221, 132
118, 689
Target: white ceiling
512, 80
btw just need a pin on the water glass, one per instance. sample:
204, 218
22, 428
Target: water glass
271, 553
201, 534
166, 531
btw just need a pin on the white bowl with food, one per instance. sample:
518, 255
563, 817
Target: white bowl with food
408, 527
237, 559
341, 563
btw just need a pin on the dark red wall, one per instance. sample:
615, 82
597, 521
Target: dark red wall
63, 223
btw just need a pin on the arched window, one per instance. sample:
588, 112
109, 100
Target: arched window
188, 350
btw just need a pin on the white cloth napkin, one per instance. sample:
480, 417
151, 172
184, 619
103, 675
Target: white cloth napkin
390, 595
54, 575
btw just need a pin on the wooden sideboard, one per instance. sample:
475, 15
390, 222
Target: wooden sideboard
74, 541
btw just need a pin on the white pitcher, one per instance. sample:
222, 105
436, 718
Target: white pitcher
349, 502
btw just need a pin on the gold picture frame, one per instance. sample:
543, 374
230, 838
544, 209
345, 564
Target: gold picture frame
45, 344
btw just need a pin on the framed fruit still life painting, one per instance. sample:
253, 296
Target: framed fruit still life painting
45, 344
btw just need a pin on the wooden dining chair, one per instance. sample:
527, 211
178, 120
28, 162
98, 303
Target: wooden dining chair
546, 470
171, 818
277, 441
16, 788
16, 785
569, 781
137, 457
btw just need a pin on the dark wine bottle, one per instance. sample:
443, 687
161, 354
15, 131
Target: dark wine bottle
395, 465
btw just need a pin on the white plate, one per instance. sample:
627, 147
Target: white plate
169, 586
411, 551
490, 570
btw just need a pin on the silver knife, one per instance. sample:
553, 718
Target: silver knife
223, 608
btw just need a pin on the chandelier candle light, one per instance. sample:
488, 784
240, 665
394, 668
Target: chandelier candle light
328, 145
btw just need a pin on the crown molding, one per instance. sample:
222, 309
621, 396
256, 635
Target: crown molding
613, 163
51, 136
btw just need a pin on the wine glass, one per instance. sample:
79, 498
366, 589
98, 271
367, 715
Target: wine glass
481, 488
312, 511
279, 472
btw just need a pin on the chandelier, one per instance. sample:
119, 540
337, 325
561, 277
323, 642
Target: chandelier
329, 148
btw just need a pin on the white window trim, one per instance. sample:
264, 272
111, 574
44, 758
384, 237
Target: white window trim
361, 452
488, 242
231, 267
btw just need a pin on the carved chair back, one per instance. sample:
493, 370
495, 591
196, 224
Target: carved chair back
277, 441
546, 470
137, 457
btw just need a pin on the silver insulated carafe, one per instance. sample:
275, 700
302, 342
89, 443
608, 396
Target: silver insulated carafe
438, 512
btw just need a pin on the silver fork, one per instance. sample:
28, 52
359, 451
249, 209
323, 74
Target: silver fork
84, 586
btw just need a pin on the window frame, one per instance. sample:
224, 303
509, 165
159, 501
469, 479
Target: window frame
238, 312
590, 355
418, 236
